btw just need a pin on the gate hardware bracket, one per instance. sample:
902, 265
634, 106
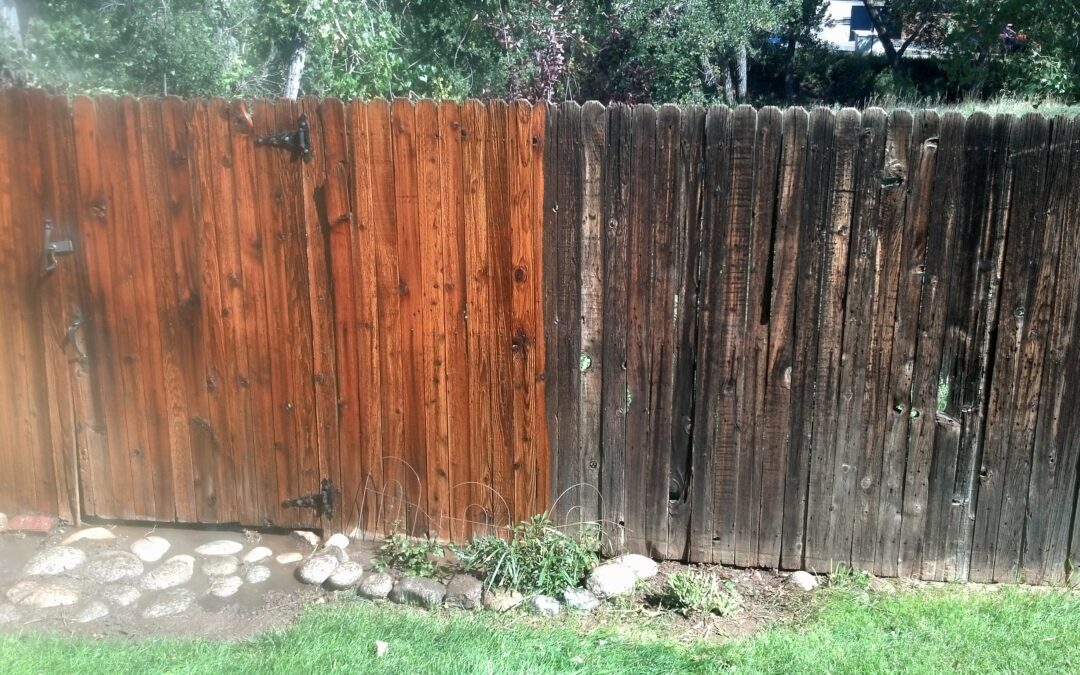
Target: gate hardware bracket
51, 249
322, 501
298, 141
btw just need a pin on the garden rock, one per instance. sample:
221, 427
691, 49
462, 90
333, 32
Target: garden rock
257, 554
256, 574
610, 580
376, 586
3, 520
339, 540
288, 558
175, 571
464, 591
642, 566
220, 565
224, 587
308, 537
317, 569
419, 592
150, 548
170, 603
347, 575
881, 586
545, 605
92, 534
8, 612
111, 566
43, 594
121, 595
91, 612
803, 580
580, 599
498, 600
220, 547
54, 560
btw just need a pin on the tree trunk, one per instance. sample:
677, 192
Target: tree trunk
789, 69
9, 21
296, 70
729, 85
743, 72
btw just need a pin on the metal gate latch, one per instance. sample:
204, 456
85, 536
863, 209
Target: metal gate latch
52, 249
298, 141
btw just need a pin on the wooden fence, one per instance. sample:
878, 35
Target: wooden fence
802, 339
767, 338
236, 324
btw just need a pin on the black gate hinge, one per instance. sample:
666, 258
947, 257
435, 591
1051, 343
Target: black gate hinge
322, 501
297, 141
51, 249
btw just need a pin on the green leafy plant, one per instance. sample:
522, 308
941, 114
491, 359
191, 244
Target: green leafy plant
415, 557
537, 558
845, 576
697, 591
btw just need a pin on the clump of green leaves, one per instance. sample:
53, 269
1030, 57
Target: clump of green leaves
537, 558
415, 557
697, 591
845, 576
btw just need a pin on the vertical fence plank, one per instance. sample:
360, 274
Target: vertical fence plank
1057, 442
541, 451
591, 280
686, 251
524, 269
707, 405
615, 231
12, 492
639, 437
383, 237
455, 312
856, 490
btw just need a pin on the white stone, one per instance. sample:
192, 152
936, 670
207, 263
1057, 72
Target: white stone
339, 540
306, 536
545, 606
287, 558
8, 612
43, 594
110, 566
92, 534
224, 587
121, 595
257, 574
175, 571
220, 547
580, 599
642, 566
220, 565
54, 560
150, 548
347, 575
317, 569
257, 554
170, 603
803, 580
3, 520
93, 611
610, 580
376, 586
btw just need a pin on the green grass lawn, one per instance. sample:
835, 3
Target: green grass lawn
1014, 630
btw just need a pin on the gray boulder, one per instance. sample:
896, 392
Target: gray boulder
545, 605
112, 566
170, 603
500, 600
121, 595
92, 611
224, 587
175, 571
610, 580
220, 565
317, 569
347, 575
580, 599
8, 613
642, 566
464, 591
376, 586
803, 580
54, 560
43, 594
256, 574
150, 548
419, 592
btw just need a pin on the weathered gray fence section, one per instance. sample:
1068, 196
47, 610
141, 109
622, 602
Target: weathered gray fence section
809, 338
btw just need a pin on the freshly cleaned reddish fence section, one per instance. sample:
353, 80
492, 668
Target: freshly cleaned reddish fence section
236, 324
800, 339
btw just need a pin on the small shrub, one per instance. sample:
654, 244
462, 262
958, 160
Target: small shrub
701, 592
415, 557
538, 558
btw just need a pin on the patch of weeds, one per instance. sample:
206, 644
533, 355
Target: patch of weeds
538, 557
847, 577
702, 592
415, 557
